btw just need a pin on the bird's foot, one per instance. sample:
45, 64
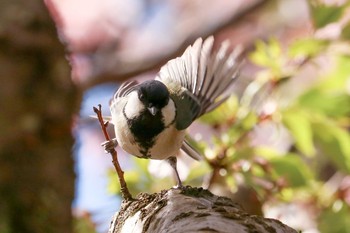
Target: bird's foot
178, 186
172, 161
109, 146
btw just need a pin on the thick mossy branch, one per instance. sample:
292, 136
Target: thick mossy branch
189, 210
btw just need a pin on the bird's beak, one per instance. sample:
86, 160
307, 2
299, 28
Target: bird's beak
153, 110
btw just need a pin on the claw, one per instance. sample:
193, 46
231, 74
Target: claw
109, 146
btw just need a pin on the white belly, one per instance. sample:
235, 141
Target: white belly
167, 144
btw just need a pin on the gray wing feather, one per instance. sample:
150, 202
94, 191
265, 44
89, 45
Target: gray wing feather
204, 57
199, 80
188, 149
125, 88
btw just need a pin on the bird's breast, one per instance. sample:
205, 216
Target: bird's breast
144, 135
168, 143
164, 145
145, 128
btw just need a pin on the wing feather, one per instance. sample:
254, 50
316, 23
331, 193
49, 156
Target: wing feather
125, 88
191, 151
199, 80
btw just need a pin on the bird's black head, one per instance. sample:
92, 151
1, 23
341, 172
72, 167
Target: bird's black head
154, 95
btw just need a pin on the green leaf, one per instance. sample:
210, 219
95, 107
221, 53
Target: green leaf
333, 141
327, 103
335, 219
225, 112
266, 152
268, 55
330, 96
307, 47
322, 14
293, 169
298, 124
345, 34
259, 56
338, 78
249, 121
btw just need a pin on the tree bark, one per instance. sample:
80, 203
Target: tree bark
189, 210
37, 100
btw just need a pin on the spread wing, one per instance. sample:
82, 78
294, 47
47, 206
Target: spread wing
125, 88
199, 80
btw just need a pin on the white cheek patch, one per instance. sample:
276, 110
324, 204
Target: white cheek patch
169, 112
134, 106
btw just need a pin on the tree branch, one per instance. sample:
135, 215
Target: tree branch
189, 210
124, 70
123, 187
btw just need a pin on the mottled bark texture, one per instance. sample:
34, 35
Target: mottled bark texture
189, 210
37, 100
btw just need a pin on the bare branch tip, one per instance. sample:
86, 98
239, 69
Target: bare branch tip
95, 109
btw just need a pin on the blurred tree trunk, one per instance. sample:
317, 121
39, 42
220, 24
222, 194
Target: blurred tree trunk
37, 101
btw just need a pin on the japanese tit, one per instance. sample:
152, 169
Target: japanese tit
151, 118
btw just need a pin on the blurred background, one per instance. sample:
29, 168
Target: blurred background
280, 146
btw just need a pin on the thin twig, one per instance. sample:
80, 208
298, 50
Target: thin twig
123, 187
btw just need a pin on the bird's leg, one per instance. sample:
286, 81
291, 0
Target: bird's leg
172, 161
108, 146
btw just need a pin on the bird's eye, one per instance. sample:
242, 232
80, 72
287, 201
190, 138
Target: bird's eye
141, 96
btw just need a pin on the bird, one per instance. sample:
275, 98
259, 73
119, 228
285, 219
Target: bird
150, 118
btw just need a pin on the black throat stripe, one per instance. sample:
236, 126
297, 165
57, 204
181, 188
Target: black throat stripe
145, 129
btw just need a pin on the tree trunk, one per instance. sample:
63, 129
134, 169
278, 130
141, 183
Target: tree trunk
189, 210
37, 101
